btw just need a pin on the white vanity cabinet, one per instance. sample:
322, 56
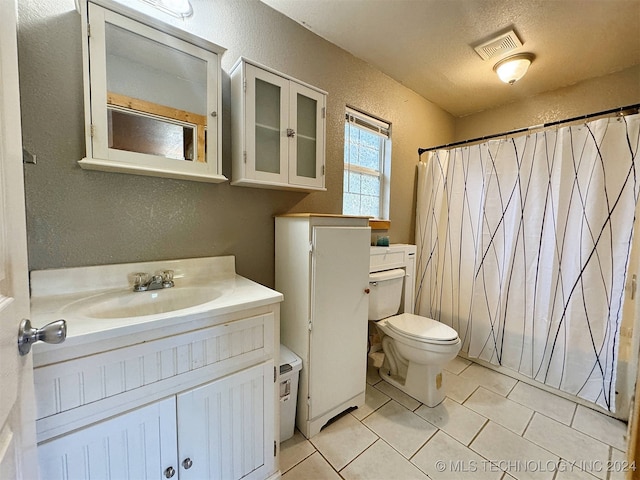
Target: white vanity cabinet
278, 130
163, 395
322, 268
218, 430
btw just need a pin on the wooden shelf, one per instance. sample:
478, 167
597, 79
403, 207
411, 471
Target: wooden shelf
380, 224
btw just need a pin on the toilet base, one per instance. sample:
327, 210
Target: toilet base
423, 382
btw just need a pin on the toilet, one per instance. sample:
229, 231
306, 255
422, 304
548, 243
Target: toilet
415, 348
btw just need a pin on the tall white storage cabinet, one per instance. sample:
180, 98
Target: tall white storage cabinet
322, 268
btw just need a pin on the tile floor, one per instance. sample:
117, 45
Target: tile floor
490, 426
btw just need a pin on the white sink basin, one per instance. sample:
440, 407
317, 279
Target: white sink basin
128, 304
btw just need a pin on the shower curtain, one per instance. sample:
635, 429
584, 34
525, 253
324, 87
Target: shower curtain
523, 247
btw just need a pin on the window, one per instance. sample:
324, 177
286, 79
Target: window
367, 166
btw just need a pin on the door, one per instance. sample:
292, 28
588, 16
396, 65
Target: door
339, 306
266, 128
225, 428
306, 148
17, 411
141, 444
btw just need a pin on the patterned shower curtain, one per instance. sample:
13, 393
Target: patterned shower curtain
523, 248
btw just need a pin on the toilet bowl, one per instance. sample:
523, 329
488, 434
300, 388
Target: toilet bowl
415, 347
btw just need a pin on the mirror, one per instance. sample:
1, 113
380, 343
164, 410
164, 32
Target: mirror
153, 98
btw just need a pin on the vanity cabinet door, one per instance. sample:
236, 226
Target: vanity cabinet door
140, 444
226, 428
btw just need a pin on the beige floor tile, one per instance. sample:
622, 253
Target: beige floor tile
544, 402
489, 379
315, 467
601, 427
401, 428
294, 450
501, 410
343, 440
568, 471
619, 465
518, 457
455, 419
457, 365
570, 444
398, 395
444, 458
373, 400
380, 461
373, 376
458, 388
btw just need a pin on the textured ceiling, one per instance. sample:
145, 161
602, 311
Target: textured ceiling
427, 45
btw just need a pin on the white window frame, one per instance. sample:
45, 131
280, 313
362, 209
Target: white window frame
382, 129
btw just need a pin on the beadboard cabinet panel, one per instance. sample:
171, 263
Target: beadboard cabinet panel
140, 444
68, 385
228, 438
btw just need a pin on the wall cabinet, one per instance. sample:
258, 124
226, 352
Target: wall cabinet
201, 404
322, 268
152, 96
278, 130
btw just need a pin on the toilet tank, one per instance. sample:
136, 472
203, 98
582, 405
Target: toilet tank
385, 293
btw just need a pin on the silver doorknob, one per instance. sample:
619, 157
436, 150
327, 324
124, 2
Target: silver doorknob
187, 463
55, 332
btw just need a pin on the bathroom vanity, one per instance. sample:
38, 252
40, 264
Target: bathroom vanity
174, 382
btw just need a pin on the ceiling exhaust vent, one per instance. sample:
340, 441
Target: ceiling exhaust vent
499, 45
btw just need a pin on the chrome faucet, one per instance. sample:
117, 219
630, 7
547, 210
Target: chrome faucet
144, 281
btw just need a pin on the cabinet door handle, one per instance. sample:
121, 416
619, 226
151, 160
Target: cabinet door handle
169, 472
187, 463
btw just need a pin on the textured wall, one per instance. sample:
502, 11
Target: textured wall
77, 217
595, 95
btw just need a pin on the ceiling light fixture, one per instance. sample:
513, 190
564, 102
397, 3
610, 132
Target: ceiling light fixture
513, 68
177, 8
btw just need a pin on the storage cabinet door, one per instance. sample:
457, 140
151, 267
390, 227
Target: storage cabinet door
306, 148
266, 128
140, 444
226, 428
339, 311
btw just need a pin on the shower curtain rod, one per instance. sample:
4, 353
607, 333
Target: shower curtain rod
526, 129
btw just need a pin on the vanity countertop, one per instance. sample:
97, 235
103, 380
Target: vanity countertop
62, 293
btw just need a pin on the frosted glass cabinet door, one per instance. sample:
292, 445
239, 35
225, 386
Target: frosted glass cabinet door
306, 154
140, 444
226, 427
267, 116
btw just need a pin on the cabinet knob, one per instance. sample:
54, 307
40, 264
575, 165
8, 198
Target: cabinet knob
169, 472
367, 291
187, 463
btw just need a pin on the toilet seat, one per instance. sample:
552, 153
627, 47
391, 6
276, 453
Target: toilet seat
422, 329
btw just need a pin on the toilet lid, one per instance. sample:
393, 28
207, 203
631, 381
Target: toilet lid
421, 328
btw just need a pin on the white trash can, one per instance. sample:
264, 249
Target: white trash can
290, 366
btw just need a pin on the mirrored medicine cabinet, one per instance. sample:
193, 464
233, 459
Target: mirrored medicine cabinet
152, 96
